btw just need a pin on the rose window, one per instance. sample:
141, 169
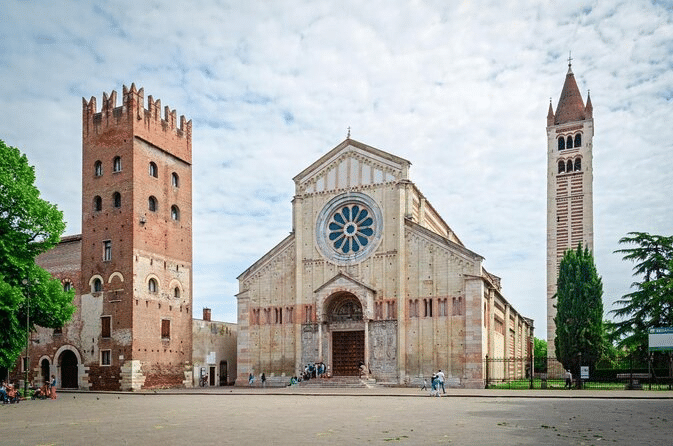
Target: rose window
350, 228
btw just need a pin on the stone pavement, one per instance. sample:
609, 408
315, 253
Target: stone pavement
298, 416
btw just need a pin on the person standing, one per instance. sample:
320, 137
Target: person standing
440, 379
263, 379
569, 379
52, 388
251, 379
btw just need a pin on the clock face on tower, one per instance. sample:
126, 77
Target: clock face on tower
349, 228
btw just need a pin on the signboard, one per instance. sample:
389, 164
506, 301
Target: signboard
661, 339
584, 372
210, 359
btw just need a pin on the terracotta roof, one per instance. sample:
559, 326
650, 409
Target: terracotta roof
570, 105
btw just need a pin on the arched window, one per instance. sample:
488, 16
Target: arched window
97, 285
152, 286
98, 169
561, 166
569, 166
175, 180
117, 164
67, 286
175, 213
176, 293
152, 204
561, 143
97, 203
154, 172
578, 140
117, 199
578, 164
569, 142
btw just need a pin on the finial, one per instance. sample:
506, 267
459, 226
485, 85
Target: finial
348, 136
570, 59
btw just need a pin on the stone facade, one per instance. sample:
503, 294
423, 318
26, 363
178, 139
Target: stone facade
570, 132
214, 350
371, 274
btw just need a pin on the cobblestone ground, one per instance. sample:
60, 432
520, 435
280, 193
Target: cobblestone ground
277, 418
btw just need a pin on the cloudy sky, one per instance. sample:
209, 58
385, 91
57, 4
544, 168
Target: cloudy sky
461, 89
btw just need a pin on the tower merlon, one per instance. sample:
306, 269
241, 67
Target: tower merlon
130, 111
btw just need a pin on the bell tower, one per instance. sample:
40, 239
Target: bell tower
136, 242
570, 132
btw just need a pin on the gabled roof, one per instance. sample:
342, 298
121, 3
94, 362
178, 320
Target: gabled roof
570, 105
382, 156
348, 278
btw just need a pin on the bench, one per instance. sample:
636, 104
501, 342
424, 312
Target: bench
633, 379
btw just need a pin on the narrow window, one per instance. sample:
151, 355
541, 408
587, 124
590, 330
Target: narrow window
578, 164
152, 286
67, 286
288, 317
165, 329
97, 203
569, 142
105, 357
97, 286
176, 293
578, 140
561, 166
153, 170
428, 307
175, 180
107, 250
105, 326
117, 164
561, 143
569, 166
98, 169
152, 204
175, 213
117, 199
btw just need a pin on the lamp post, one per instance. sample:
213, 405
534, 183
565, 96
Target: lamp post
27, 363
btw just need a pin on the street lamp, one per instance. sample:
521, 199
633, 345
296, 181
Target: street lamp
27, 363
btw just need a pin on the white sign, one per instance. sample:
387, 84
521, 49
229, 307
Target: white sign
584, 372
661, 339
210, 359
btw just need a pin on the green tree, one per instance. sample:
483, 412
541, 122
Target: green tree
540, 352
29, 226
651, 303
579, 311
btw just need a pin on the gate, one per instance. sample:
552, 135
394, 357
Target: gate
348, 352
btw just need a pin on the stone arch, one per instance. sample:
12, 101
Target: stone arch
172, 287
45, 368
343, 306
116, 274
92, 280
148, 279
67, 360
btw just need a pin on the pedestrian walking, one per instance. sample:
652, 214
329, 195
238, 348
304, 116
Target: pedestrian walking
440, 381
263, 378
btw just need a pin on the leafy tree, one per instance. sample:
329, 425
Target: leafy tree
651, 303
29, 226
579, 311
540, 352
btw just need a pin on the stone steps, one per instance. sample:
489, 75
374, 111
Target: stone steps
349, 382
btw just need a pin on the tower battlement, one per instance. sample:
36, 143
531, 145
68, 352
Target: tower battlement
132, 113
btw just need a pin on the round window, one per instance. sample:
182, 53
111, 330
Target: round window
349, 228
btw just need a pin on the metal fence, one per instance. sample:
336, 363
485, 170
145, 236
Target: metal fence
654, 373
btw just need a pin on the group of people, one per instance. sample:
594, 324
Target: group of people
10, 394
437, 382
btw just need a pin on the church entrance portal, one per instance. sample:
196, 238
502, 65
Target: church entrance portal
68, 363
348, 352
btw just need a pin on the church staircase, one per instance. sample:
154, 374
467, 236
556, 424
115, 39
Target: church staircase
338, 382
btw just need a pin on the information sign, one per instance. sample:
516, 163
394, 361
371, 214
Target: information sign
661, 339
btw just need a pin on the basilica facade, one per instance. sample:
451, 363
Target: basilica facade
372, 280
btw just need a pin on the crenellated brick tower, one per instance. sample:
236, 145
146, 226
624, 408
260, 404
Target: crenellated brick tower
570, 133
136, 262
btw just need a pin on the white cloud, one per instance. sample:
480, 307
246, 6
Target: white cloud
459, 89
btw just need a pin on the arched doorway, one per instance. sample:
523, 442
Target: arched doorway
67, 362
344, 316
44, 370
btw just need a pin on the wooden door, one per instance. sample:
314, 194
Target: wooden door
348, 352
